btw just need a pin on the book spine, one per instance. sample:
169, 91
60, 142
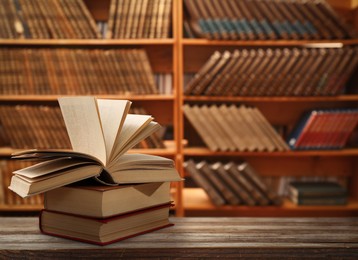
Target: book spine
215, 197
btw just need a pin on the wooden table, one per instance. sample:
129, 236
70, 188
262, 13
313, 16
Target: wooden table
196, 238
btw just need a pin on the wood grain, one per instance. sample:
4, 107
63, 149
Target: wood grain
196, 238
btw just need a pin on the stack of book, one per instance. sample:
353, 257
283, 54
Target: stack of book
231, 183
317, 193
101, 132
44, 71
275, 72
324, 129
105, 214
31, 126
232, 128
263, 19
133, 19
46, 19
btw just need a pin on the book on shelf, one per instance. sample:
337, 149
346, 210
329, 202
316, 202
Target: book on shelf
202, 181
104, 231
227, 184
45, 128
136, 19
317, 193
316, 189
265, 20
112, 132
323, 129
324, 201
44, 71
215, 125
89, 198
47, 20
275, 72
256, 180
212, 176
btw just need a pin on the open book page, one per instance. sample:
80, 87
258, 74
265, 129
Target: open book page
141, 161
132, 126
51, 154
48, 167
25, 187
112, 115
83, 125
145, 175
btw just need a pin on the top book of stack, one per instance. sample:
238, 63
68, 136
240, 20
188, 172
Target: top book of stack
101, 132
264, 20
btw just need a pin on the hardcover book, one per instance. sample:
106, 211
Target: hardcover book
316, 189
89, 198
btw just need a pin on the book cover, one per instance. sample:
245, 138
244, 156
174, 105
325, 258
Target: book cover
317, 189
88, 198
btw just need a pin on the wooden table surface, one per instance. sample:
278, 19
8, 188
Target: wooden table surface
196, 238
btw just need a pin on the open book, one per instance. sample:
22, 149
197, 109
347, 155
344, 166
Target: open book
101, 131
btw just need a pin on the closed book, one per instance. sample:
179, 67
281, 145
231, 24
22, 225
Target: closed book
104, 231
250, 20
195, 21
316, 189
245, 192
101, 201
257, 181
231, 185
193, 114
215, 197
204, 70
320, 201
217, 182
301, 128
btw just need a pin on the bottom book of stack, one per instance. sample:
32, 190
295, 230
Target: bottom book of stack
103, 214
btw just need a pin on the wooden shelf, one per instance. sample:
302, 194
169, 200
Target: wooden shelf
197, 203
85, 42
199, 151
342, 98
55, 97
203, 42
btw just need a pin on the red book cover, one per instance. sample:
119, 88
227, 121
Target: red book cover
332, 126
320, 133
104, 221
347, 129
311, 133
306, 130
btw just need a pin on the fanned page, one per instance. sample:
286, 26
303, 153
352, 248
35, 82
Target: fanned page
141, 161
83, 126
49, 167
133, 125
112, 115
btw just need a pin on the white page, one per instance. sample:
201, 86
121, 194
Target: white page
49, 167
112, 115
83, 125
131, 127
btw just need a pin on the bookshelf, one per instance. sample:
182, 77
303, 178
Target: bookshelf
162, 56
178, 55
278, 110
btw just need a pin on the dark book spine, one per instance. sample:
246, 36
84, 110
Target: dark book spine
201, 181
